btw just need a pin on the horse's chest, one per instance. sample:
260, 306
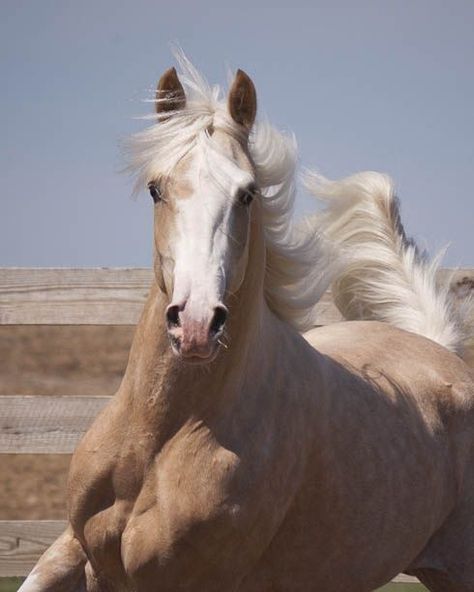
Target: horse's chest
170, 522
180, 522
99, 515
182, 550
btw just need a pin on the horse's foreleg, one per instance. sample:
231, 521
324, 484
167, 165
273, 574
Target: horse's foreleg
60, 569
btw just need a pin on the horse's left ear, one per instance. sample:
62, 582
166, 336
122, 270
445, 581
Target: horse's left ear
242, 100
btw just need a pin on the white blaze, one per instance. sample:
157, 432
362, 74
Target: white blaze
210, 238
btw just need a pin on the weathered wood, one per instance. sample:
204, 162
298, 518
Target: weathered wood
45, 424
22, 542
106, 296
47, 296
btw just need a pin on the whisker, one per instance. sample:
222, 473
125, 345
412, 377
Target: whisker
230, 237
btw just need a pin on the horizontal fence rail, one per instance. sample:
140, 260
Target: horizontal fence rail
22, 542
103, 296
57, 296
41, 425
111, 296
38, 425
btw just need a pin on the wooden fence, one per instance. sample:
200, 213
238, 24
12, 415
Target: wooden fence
55, 424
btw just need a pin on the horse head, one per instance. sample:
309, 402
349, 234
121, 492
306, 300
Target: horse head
203, 207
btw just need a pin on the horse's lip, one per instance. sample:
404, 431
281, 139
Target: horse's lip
198, 355
198, 359
195, 358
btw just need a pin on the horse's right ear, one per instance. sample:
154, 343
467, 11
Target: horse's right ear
170, 94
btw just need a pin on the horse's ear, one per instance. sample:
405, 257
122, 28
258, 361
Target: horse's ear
170, 94
242, 100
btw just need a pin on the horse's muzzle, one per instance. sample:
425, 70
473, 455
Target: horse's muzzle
195, 341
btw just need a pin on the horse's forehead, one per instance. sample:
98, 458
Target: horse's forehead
233, 149
224, 158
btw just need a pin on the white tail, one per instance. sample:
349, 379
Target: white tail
385, 277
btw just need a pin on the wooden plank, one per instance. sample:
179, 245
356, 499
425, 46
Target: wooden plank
42, 425
102, 296
60, 296
111, 296
22, 542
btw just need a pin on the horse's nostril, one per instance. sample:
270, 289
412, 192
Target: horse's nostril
218, 320
172, 316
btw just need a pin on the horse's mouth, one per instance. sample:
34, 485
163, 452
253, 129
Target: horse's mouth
196, 356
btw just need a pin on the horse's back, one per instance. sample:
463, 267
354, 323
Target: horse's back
423, 390
380, 352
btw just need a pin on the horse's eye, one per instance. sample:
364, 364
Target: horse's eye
154, 192
246, 197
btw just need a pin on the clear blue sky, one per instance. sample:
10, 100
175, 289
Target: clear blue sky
384, 85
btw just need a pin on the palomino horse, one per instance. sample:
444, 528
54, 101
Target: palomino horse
238, 455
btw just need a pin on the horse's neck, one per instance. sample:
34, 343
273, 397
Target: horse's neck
164, 390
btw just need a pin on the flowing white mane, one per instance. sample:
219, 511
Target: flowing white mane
386, 277
299, 265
